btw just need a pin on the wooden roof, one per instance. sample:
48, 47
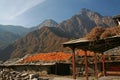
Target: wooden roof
100, 45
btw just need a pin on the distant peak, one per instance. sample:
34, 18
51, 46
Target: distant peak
50, 20
84, 11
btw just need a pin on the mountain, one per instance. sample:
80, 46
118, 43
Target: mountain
83, 22
10, 33
48, 22
15, 29
49, 39
7, 38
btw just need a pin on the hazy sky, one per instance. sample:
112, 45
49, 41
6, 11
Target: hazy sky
30, 13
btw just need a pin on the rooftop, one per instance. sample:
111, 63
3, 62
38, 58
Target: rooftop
100, 45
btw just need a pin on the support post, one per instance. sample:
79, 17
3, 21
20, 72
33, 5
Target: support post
73, 64
96, 67
103, 65
56, 68
86, 65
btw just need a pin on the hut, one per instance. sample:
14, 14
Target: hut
98, 46
52, 63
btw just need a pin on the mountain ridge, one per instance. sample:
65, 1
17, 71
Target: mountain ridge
20, 30
80, 24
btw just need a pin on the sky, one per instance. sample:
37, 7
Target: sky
30, 13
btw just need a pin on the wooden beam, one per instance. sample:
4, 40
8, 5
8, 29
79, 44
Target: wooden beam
86, 65
96, 67
103, 65
73, 64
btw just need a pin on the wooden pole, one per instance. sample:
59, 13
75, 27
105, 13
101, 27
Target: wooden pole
103, 64
56, 69
86, 65
96, 67
73, 63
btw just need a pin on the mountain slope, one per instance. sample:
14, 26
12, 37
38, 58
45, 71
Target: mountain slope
49, 39
7, 38
10, 33
43, 40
